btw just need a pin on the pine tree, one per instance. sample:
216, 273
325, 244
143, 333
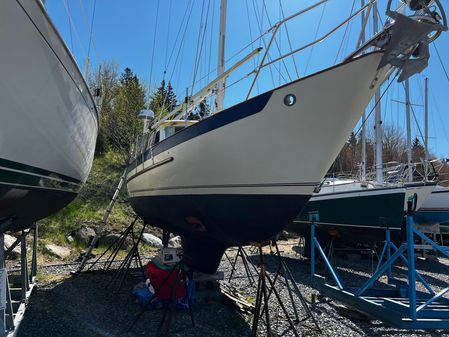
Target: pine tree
201, 111
418, 151
123, 123
163, 100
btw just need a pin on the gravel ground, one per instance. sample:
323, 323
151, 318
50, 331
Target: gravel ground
82, 305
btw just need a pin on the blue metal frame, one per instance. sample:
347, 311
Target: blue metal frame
401, 305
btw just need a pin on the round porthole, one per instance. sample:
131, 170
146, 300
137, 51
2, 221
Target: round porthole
289, 100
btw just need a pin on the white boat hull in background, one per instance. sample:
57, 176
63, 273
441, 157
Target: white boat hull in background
48, 120
435, 209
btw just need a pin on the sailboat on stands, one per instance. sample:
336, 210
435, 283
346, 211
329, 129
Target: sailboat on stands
221, 182
48, 118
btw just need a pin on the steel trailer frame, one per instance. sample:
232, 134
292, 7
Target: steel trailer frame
402, 305
17, 292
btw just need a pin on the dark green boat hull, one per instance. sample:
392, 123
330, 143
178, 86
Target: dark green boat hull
354, 217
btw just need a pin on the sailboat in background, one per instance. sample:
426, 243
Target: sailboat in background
222, 182
48, 118
435, 209
357, 210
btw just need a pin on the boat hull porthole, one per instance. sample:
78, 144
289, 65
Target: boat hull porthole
290, 100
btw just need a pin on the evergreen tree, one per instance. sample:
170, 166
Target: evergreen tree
163, 100
123, 123
418, 151
201, 111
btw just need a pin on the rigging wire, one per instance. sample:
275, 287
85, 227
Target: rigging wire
210, 41
288, 39
443, 125
441, 61
70, 28
74, 27
316, 35
154, 43
416, 120
260, 25
251, 39
91, 28
180, 48
276, 41
344, 34
377, 102
236, 54
179, 33
199, 46
168, 38
182, 39
88, 26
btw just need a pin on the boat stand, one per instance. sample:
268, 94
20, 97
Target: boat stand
401, 305
244, 257
132, 256
163, 329
266, 286
114, 248
16, 288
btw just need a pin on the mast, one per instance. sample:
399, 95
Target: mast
378, 116
426, 128
363, 135
409, 132
221, 56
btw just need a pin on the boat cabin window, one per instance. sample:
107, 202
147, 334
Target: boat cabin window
171, 130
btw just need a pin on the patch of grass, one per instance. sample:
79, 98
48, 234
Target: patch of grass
90, 205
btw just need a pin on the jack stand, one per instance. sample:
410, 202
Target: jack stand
133, 255
15, 295
301, 243
114, 247
400, 305
244, 256
163, 329
288, 278
266, 286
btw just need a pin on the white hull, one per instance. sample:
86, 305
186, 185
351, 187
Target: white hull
280, 150
422, 192
243, 174
437, 201
435, 209
48, 119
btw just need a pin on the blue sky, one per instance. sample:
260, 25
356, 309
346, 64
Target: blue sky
126, 31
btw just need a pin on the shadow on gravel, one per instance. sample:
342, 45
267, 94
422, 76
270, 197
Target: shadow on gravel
81, 306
